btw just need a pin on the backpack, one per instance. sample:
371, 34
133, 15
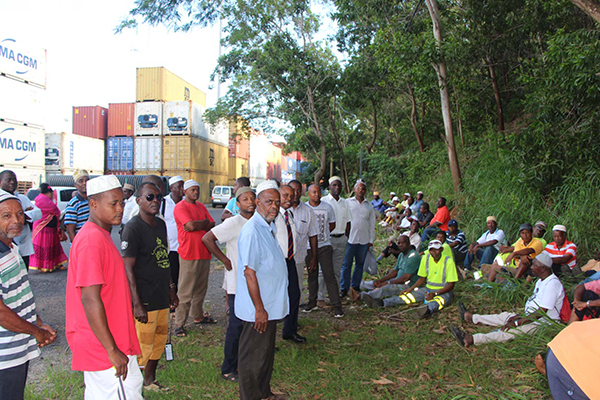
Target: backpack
565, 310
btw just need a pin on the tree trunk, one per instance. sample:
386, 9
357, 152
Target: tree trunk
590, 7
370, 146
440, 68
322, 164
460, 129
499, 108
413, 118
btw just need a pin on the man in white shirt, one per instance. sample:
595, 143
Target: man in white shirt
543, 305
339, 236
228, 233
167, 208
287, 237
362, 236
130, 203
8, 184
487, 246
326, 223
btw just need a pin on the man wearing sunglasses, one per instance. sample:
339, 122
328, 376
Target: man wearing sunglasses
144, 246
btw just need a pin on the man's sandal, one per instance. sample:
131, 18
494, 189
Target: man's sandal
231, 377
180, 332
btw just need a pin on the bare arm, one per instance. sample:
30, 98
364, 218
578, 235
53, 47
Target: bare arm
139, 311
331, 226
384, 281
11, 321
203, 225
261, 317
488, 243
562, 260
403, 279
96, 316
71, 232
448, 288
226, 214
420, 282
347, 229
210, 241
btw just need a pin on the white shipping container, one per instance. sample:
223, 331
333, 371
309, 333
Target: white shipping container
259, 145
22, 61
66, 152
147, 153
21, 103
35, 176
218, 133
21, 146
187, 118
148, 118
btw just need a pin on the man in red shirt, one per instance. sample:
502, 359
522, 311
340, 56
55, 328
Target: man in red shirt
193, 221
99, 317
439, 222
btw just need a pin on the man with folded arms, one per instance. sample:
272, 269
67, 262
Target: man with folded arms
262, 295
99, 317
193, 221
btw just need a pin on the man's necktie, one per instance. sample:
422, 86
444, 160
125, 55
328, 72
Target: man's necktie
290, 252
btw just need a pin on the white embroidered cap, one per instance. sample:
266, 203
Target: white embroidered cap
173, 180
265, 186
102, 184
190, 183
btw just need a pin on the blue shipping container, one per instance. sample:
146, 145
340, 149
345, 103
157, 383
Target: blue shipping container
119, 153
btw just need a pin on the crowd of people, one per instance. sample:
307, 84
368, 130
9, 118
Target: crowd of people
119, 301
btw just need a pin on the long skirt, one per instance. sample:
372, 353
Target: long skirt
48, 254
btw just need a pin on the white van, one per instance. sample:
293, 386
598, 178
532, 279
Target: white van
221, 195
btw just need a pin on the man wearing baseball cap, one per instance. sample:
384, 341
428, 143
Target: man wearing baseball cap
193, 221
457, 241
543, 305
99, 317
487, 246
563, 253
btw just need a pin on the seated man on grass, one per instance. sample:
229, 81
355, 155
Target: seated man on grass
401, 277
586, 302
438, 222
438, 274
523, 252
543, 305
457, 241
392, 247
446, 249
487, 246
425, 216
378, 203
563, 253
390, 213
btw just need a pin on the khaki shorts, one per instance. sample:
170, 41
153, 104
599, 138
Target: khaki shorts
152, 335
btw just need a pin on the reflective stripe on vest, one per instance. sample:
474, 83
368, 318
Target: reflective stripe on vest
437, 285
408, 298
440, 300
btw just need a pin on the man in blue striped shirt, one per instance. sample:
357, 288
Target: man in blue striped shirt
457, 241
78, 210
21, 329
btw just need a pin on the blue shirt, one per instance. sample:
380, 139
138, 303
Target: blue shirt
77, 212
232, 206
417, 204
259, 250
378, 205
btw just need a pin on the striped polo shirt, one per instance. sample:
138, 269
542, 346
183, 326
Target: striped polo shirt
16, 348
77, 212
568, 248
461, 239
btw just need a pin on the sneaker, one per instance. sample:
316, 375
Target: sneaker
373, 303
354, 295
309, 308
338, 313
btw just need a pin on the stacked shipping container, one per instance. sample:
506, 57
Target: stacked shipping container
90, 121
119, 144
66, 152
239, 153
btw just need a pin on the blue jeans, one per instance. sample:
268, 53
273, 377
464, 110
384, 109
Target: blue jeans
485, 256
591, 278
232, 339
354, 253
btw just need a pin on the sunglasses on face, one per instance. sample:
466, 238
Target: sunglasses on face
150, 197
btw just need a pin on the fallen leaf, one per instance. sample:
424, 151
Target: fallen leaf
321, 370
193, 360
382, 381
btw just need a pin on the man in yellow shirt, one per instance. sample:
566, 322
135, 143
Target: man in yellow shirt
525, 250
438, 274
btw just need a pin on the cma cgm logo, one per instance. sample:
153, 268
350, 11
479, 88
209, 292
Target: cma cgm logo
7, 52
19, 145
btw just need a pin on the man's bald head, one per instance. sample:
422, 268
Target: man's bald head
157, 181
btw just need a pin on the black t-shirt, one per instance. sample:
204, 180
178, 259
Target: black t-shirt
426, 218
148, 245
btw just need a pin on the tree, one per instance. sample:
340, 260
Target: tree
590, 7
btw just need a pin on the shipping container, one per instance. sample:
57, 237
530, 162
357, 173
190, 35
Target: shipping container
160, 84
22, 103
90, 121
147, 154
206, 180
274, 171
119, 155
148, 118
22, 60
188, 152
66, 152
184, 118
239, 147
121, 119
21, 146
259, 147
238, 167
218, 133
28, 178
274, 154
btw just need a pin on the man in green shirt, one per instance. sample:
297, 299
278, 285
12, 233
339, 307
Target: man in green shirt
384, 292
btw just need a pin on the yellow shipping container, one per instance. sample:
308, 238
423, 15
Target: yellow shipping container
160, 84
274, 154
195, 154
207, 181
237, 167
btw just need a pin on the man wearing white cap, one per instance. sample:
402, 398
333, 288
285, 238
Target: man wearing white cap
543, 305
487, 246
100, 328
563, 253
130, 203
404, 202
262, 294
77, 211
418, 203
193, 221
169, 203
339, 236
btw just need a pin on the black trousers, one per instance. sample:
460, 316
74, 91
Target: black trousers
255, 361
174, 261
12, 382
290, 324
325, 258
387, 251
588, 313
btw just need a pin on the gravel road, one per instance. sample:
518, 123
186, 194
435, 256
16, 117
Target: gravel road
49, 292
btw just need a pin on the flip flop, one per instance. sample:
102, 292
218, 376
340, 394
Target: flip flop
458, 335
231, 377
462, 309
206, 320
180, 332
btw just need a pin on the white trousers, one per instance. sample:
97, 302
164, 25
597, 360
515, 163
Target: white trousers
499, 335
104, 385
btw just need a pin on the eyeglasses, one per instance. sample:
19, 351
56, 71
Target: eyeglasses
150, 197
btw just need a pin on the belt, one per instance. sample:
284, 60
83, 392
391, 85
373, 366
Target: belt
338, 235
